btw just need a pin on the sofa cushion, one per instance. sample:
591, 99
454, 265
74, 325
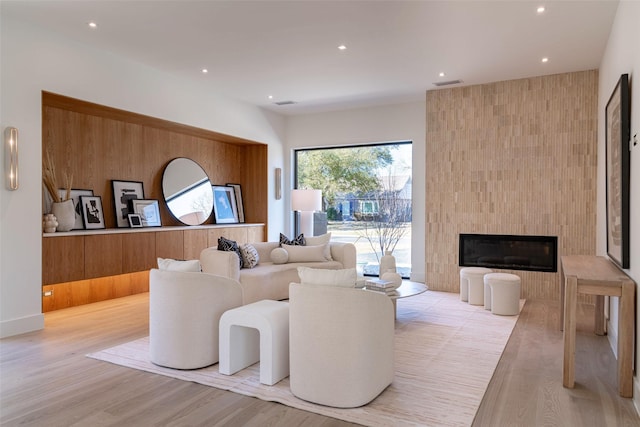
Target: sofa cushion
308, 253
227, 245
345, 278
250, 257
176, 265
279, 256
318, 240
299, 240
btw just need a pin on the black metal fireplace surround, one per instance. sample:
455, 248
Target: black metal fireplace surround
509, 252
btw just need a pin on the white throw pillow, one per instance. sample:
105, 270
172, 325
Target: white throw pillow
318, 253
175, 265
317, 276
318, 240
279, 256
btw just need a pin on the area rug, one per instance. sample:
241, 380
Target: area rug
445, 354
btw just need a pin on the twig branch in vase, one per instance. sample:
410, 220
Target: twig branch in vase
51, 182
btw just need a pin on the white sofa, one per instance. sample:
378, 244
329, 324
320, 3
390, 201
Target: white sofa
268, 280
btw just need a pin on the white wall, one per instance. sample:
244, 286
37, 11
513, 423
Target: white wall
399, 122
33, 61
622, 56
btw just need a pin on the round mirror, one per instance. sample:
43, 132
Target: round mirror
187, 191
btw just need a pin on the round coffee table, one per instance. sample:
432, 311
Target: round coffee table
407, 289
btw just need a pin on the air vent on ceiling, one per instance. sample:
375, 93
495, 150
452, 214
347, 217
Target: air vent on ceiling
284, 102
447, 83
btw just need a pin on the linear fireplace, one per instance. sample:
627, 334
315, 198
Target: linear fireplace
532, 253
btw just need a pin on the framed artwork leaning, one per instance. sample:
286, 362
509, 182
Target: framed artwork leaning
123, 192
618, 172
92, 213
237, 189
149, 211
224, 204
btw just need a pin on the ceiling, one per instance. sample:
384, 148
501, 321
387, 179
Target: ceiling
289, 49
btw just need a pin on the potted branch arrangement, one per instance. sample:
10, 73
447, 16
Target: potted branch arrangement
62, 207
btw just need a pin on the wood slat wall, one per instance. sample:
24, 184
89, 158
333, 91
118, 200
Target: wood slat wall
514, 157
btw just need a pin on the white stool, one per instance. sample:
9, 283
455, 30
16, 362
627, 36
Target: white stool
471, 284
504, 292
256, 332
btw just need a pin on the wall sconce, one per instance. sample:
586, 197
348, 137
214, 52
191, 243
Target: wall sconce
306, 202
11, 157
278, 183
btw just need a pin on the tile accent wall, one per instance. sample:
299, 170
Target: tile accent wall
513, 157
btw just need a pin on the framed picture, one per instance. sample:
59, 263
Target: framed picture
123, 192
618, 165
92, 214
148, 210
239, 204
135, 221
224, 204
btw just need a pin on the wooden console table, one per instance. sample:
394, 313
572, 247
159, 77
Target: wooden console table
597, 276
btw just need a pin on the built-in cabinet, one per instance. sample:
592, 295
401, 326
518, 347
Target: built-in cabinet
98, 144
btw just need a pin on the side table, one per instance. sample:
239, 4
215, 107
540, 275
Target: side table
597, 276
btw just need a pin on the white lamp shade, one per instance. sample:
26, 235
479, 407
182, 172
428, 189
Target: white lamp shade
306, 200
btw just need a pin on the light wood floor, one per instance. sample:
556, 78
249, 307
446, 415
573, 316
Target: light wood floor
46, 380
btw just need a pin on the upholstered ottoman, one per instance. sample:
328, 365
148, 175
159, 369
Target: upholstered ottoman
504, 293
256, 332
472, 284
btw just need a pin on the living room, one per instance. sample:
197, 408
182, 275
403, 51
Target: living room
34, 59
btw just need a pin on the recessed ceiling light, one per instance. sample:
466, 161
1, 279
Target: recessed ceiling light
270, 97
342, 47
92, 24
540, 9
545, 59
205, 71
442, 74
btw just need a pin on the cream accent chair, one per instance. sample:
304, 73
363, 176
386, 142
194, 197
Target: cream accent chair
184, 314
340, 344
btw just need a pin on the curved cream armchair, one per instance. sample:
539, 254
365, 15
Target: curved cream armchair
340, 344
184, 314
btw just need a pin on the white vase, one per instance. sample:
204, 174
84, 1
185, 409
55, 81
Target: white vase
394, 278
387, 264
65, 214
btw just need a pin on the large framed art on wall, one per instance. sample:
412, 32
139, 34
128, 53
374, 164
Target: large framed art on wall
618, 164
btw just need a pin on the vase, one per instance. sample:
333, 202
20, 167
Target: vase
65, 214
387, 264
394, 278
49, 223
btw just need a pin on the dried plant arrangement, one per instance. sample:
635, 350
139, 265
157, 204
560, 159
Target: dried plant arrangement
51, 181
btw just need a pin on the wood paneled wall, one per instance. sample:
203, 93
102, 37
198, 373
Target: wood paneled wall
514, 157
97, 144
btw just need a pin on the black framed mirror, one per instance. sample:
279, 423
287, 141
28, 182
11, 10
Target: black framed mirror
187, 191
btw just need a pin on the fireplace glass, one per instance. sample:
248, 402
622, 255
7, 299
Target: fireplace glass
509, 252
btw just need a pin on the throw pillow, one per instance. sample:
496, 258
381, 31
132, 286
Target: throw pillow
230, 246
316, 276
318, 253
298, 241
176, 265
250, 257
279, 256
318, 240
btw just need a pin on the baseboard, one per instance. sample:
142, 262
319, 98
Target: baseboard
636, 394
9, 328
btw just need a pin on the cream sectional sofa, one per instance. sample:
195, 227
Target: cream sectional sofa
269, 280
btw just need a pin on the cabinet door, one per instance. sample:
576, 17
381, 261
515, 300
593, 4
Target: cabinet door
138, 252
62, 259
255, 234
102, 255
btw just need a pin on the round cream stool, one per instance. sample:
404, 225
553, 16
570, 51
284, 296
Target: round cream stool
504, 293
471, 284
